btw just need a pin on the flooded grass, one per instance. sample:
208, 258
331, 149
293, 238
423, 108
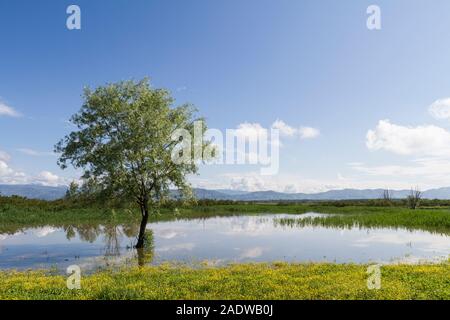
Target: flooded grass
436, 221
14, 218
236, 281
233, 239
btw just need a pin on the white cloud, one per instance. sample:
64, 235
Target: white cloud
249, 137
428, 168
289, 183
440, 109
4, 156
8, 111
250, 131
249, 183
47, 178
426, 140
428, 143
44, 231
285, 130
4, 169
34, 153
428, 242
296, 183
288, 131
168, 233
252, 253
427, 173
189, 246
9, 175
308, 132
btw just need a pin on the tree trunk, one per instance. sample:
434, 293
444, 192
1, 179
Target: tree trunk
141, 238
141, 256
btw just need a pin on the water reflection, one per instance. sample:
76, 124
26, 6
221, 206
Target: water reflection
145, 255
216, 240
90, 246
112, 235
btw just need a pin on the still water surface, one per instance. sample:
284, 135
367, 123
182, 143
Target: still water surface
217, 241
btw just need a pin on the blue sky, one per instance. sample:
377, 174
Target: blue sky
377, 97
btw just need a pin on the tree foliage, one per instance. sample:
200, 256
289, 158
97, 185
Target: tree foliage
414, 198
124, 143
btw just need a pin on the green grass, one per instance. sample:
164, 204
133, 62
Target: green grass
15, 217
428, 220
244, 281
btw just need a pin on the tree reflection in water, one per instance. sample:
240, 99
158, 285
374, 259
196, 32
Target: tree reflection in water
112, 235
145, 255
89, 233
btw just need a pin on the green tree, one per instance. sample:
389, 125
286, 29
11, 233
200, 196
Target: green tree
128, 147
414, 198
72, 191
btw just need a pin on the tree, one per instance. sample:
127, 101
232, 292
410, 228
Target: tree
414, 198
127, 147
72, 191
387, 195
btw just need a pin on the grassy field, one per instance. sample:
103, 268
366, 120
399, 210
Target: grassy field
14, 217
245, 281
427, 220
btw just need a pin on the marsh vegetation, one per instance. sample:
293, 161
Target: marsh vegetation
202, 249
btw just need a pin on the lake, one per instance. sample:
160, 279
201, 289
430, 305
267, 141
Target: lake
216, 241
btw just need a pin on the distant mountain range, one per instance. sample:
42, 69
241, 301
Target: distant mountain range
343, 194
51, 193
33, 191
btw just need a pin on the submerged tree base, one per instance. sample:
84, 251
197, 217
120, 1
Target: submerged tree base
241, 281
